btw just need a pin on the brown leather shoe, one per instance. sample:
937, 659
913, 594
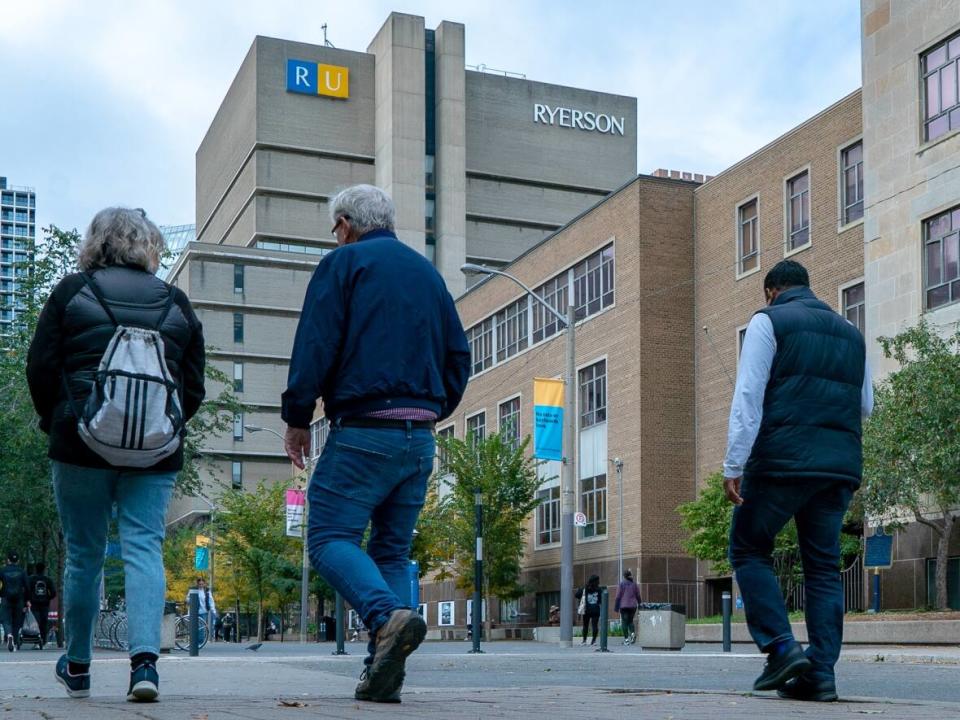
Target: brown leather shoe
396, 640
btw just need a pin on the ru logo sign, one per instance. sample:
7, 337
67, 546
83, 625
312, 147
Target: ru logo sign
310, 78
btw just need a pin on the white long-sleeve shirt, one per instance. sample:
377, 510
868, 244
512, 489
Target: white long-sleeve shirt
204, 598
756, 359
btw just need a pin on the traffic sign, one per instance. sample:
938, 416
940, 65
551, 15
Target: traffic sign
579, 520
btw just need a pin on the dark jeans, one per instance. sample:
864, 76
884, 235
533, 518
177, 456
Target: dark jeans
818, 507
41, 613
588, 620
11, 615
377, 477
626, 621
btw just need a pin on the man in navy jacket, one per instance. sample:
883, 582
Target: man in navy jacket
381, 343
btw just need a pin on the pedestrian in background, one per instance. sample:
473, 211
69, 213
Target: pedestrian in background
206, 604
42, 592
380, 341
589, 596
15, 593
627, 602
794, 451
82, 396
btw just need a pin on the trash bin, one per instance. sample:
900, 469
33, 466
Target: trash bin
329, 628
662, 626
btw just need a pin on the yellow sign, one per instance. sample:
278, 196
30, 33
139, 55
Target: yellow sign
548, 392
203, 541
333, 81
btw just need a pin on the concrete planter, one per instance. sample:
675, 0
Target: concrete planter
867, 632
661, 626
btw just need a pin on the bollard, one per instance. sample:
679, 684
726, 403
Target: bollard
876, 590
340, 633
193, 609
604, 620
726, 604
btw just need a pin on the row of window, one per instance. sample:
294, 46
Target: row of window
797, 210
22, 216
17, 230
18, 199
940, 70
523, 323
293, 247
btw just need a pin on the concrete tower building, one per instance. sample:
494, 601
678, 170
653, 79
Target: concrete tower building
482, 167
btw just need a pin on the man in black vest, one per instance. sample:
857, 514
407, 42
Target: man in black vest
794, 451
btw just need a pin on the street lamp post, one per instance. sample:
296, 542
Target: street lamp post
618, 465
567, 476
305, 561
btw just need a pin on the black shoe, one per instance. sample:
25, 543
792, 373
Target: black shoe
78, 686
144, 682
782, 667
396, 639
803, 688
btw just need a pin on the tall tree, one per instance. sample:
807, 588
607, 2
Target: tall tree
911, 443
251, 534
506, 478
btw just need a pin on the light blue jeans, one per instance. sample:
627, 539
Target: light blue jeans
85, 497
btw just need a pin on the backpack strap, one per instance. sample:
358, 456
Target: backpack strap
88, 279
166, 309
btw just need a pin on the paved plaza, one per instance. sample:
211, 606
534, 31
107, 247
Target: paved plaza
510, 680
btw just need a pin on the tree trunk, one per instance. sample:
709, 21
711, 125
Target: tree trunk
488, 623
943, 547
260, 618
283, 617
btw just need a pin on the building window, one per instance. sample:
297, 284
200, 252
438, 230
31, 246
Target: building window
593, 283
238, 279
481, 346
853, 306
238, 377
443, 458
319, 430
593, 504
238, 327
554, 292
748, 246
941, 103
477, 428
509, 422
942, 258
798, 211
238, 426
548, 516
851, 183
236, 473
593, 394
512, 335
741, 336
430, 213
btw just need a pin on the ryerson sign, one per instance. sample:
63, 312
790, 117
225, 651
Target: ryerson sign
567, 117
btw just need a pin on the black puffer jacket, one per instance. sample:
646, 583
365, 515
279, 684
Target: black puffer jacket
74, 330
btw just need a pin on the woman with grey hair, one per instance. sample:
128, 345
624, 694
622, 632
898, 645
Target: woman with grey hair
115, 302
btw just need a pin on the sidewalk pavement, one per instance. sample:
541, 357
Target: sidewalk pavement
557, 703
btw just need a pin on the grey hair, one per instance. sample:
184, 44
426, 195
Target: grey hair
121, 236
368, 208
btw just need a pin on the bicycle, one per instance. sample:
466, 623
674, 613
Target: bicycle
182, 634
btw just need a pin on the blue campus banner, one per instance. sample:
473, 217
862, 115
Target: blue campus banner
548, 419
201, 558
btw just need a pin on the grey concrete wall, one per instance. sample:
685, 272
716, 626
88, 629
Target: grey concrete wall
306, 172
502, 137
333, 124
228, 140
400, 106
450, 175
265, 334
499, 241
222, 226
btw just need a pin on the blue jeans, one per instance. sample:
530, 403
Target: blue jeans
85, 497
818, 507
377, 477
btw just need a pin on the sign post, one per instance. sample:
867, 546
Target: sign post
878, 554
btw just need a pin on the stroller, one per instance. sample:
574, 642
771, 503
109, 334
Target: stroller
30, 632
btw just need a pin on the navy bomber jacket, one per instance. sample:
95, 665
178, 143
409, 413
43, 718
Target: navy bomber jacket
378, 330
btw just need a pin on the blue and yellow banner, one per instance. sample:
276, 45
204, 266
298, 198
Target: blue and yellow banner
548, 419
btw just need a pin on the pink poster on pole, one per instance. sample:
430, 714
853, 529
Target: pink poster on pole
296, 512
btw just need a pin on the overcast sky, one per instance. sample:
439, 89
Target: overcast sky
105, 103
